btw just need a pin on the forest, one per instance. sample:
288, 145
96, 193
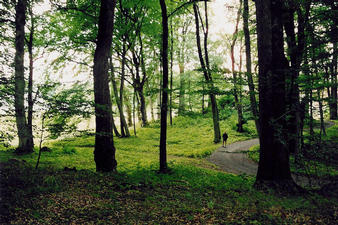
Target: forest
168, 112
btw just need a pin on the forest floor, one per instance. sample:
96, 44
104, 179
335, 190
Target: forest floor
194, 192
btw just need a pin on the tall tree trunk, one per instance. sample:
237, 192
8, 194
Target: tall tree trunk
129, 110
24, 134
203, 99
112, 95
30, 78
295, 52
312, 132
123, 122
334, 83
234, 73
274, 167
141, 85
134, 122
164, 105
181, 62
171, 72
253, 101
159, 100
206, 70
142, 106
104, 152
321, 113
124, 127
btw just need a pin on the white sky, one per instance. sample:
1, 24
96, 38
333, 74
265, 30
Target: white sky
219, 19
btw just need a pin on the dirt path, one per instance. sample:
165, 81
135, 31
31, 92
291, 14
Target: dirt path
233, 159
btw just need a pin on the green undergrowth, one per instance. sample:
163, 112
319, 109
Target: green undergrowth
194, 192
189, 136
188, 195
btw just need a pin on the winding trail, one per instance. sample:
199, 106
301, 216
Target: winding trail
233, 159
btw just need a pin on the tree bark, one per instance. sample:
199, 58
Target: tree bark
112, 94
253, 101
334, 83
321, 113
124, 127
129, 110
171, 72
295, 52
30, 78
104, 152
206, 71
181, 62
123, 123
234, 74
164, 105
274, 167
24, 134
142, 83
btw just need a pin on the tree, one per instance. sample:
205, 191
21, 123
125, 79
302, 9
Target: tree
164, 103
104, 152
206, 68
296, 44
274, 167
26, 143
253, 102
236, 89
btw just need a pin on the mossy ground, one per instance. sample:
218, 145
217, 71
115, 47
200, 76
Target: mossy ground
193, 193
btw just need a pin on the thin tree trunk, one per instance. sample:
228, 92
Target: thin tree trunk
295, 52
141, 85
206, 70
124, 127
334, 83
164, 105
234, 73
203, 99
134, 122
112, 96
181, 62
104, 152
321, 113
253, 101
171, 72
142, 107
159, 100
25, 137
41, 140
129, 110
112, 117
311, 113
30, 78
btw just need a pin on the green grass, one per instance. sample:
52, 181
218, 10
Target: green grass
193, 193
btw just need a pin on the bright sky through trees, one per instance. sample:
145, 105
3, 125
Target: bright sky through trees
220, 24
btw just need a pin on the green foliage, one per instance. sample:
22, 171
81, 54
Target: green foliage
253, 153
63, 107
68, 150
